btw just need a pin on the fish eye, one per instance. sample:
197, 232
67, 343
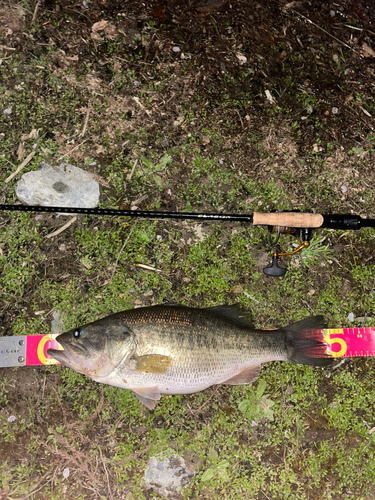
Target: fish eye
77, 334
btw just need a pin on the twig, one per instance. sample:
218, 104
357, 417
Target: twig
65, 226
41, 487
353, 27
204, 404
148, 267
134, 455
61, 406
239, 116
322, 29
35, 11
106, 473
86, 121
99, 408
44, 387
120, 252
129, 177
71, 151
20, 167
343, 361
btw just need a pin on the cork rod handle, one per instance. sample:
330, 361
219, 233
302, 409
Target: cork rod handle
288, 219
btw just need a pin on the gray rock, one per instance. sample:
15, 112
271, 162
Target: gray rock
166, 474
57, 324
62, 186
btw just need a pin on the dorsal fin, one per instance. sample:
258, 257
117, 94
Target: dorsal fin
233, 313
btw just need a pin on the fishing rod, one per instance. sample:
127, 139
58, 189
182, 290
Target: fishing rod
294, 222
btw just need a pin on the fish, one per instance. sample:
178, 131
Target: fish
174, 349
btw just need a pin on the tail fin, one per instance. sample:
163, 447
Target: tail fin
305, 342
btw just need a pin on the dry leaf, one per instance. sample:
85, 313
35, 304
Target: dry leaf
179, 120
100, 25
34, 133
116, 66
158, 11
71, 58
368, 51
20, 150
110, 31
96, 37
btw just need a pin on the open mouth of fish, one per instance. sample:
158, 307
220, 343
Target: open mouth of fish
65, 357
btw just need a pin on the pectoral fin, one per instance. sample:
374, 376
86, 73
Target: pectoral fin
147, 396
245, 376
151, 363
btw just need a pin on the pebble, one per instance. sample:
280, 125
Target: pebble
166, 474
57, 324
61, 186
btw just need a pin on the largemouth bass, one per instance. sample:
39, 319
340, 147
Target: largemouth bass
178, 350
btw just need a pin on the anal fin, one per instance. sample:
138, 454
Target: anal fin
245, 376
147, 395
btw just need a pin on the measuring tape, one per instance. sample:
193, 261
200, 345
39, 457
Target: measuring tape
28, 350
350, 342
31, 350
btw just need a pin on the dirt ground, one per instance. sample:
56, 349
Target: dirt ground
259, 106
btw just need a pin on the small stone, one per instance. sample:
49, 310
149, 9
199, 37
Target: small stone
7, 111
237, 289
241, 58
61, 186
335, 111
176, 49
66, 473
57, 324
166, 474
351, 317
12, 418
344, 189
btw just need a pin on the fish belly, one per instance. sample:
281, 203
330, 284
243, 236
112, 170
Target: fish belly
185, 376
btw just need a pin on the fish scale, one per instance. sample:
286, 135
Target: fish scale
168, 349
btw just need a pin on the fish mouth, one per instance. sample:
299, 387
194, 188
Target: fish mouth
64, 357
68, 355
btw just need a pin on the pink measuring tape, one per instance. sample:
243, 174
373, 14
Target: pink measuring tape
36, 349
350, 342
